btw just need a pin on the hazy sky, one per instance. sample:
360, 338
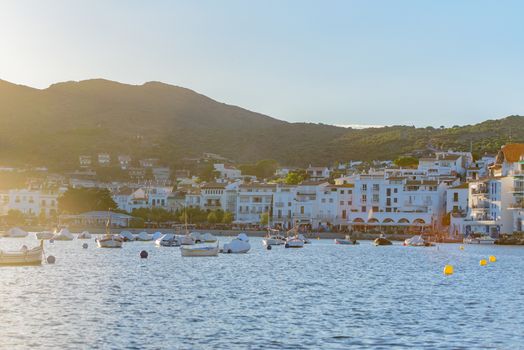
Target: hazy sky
336, 62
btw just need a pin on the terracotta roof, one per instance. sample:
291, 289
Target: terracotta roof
213, 185
513, 152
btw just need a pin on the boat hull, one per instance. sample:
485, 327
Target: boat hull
199, 251
111, 242
345, 242
382, 241
23, 258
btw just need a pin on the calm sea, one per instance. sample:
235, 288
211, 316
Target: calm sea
324, 296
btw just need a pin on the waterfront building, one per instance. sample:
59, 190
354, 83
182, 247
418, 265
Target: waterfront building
254, 199
29, 202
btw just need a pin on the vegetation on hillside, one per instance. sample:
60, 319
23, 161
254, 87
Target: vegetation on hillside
52, 127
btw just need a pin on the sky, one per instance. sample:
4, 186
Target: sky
367, 62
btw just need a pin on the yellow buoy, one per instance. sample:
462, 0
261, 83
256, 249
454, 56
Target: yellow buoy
461, 247
483, 262
448, 270
492, 258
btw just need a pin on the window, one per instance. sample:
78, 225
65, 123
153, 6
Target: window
344, 214
363, 208
388, 192
364, 198
455, 197
302, 210
394, 200
330, 200
323, 200
376, 187
364, 187
341, 202
375, 198
341, 191
395, 190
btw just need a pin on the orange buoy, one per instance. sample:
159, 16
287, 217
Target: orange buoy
492, 258
483, 262
448, 270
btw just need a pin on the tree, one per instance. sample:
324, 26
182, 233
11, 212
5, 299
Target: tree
264, 218
212, 218
406, 162
228, 218
208, 173
79, 200
295, 177
266, 168
15, 217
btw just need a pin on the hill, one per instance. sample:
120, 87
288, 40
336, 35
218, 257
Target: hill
53, 126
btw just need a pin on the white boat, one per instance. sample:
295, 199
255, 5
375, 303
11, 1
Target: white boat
417, 241
144, 236
208, 238
294, 242
200, 250
24, 256
109, 240
273, 237
84, 235
127, 236
196, 237
15, 232
347, 241
63, 235
484, 239
238, 245
168, 240
186, 240
304, 238
44, 235
157, 235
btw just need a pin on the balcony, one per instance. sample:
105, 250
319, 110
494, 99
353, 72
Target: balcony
518, 205
517, 189
479, 192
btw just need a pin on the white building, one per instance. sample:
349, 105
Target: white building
253, 200
29, 202
104, 159
85, 161
124, 161
316, 173
227, 171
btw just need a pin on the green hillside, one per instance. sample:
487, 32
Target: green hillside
54, 125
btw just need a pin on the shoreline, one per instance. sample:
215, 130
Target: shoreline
251, 233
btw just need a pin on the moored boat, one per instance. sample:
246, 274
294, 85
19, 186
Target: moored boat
347, 241
382, 240
84, 235
418, 241
44, 235
208, 238
200, 250
15, 232
109, 240
168, 240
484, 239
127, 236
238, 245
63, 235
144, 237
22, 257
